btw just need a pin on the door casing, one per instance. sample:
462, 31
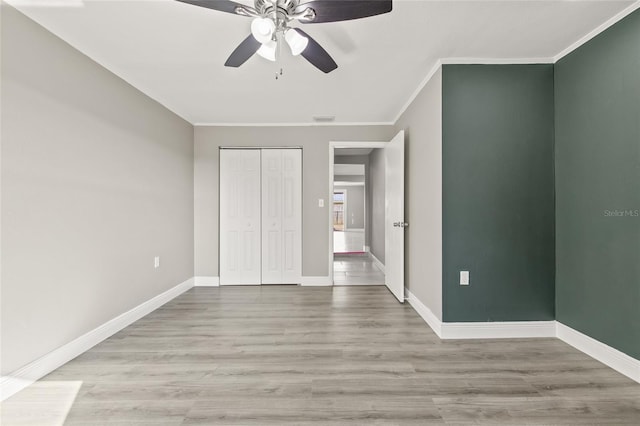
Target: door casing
332, 147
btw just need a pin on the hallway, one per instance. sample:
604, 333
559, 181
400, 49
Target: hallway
356, 270
349, 241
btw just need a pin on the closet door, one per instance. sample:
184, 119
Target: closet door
281, 216
240, 216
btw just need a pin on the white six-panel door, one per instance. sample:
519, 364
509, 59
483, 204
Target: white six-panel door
281, 216
240, 246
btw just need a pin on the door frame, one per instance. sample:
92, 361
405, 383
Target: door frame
260, 148
332, 147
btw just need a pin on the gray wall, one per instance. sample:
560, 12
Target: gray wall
498, 192
377, 185
315, 184
422, 123
354, 215
97, 179
598, 170
348, 178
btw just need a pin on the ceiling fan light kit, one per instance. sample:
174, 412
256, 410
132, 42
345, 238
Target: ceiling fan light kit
297, 42
268, 50
263, 29
271, 25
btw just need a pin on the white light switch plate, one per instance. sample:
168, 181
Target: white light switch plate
321, 202
464, 277
156, 262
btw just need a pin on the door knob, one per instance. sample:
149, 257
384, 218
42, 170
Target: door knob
400, 224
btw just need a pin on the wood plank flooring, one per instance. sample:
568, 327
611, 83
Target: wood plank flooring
331, 356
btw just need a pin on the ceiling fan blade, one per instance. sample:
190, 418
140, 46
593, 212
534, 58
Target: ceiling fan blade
243, 52
315, 54
221, 5
344, 10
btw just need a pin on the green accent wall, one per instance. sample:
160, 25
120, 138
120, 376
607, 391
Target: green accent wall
597, 91
498, 192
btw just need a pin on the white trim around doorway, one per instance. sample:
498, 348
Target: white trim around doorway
332, 147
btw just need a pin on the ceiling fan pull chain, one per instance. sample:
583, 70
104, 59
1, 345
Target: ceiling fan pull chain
279, 55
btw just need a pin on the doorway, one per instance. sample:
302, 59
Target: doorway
352, 227
385, 225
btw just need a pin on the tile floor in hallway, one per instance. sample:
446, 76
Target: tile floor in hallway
276, 355
356, 270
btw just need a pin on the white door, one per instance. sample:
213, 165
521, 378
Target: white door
281, 216
292, 216
239, 216
394, 216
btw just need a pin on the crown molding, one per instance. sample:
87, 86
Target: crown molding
465, 61
598, 30
303, 124
506, 61
495, 61
416, 92
448, 61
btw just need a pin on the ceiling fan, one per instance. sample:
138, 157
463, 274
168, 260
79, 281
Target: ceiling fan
271, 24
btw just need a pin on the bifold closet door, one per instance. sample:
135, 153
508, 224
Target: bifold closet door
240, 246
281, 216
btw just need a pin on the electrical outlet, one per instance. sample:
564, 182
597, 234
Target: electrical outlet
321, 202
464, 277
156, 262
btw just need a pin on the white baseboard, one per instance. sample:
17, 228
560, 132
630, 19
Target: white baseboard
377, 262
481, 330
316, 281
602, 352
240, 284
498, 330
427, 315
207, 281
20, 379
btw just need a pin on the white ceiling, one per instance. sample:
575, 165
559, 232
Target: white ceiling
175, 52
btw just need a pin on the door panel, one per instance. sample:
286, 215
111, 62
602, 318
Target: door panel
394, 216
272, 216
282, 217
239, 216
289, 251
292, 216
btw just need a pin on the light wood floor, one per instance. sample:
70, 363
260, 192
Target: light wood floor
343, 355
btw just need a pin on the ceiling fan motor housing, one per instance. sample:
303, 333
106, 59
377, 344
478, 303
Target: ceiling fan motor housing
284, 7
